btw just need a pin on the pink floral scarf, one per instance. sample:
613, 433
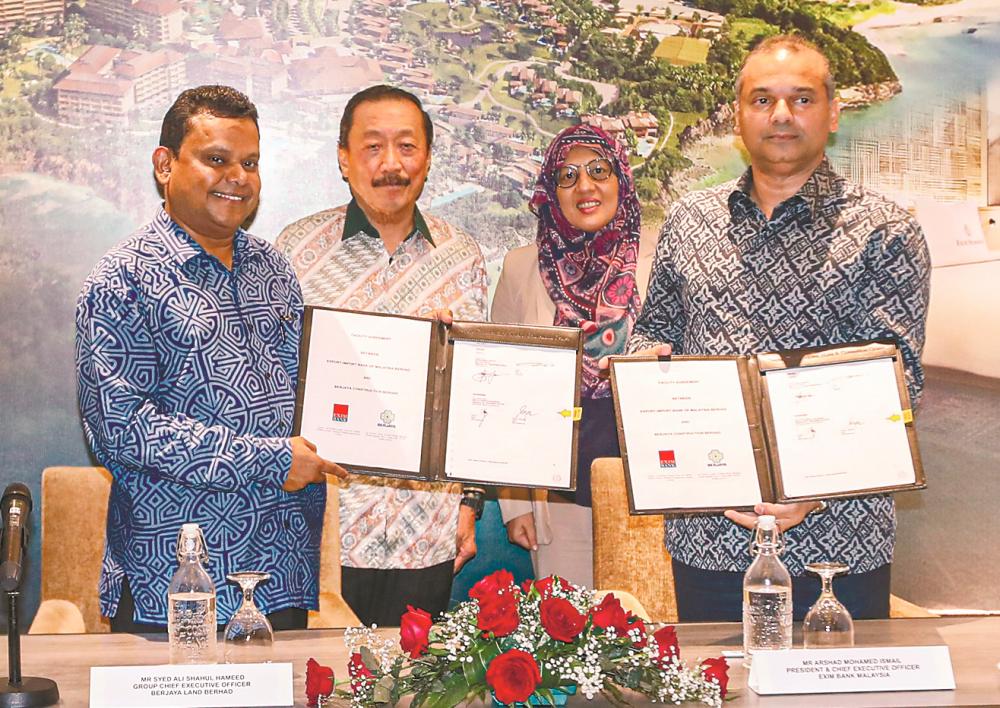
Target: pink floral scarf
590, 276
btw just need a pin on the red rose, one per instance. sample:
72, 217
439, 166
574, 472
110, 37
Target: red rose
513, 676
498, 614
359, 673
414, 628
667, 646
319, 681
491, 585
545, 585
561, 620
636, 623
610, 614
718, 670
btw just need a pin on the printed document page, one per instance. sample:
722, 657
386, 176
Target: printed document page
839, 427
686, 434
511, 414
366, 389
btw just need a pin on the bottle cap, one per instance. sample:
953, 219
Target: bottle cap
191, 540
765, 522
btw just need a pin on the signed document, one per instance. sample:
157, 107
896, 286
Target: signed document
706, 434
511, 417
839, 427
685, 434
364, 392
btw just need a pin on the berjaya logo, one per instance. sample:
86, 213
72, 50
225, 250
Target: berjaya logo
716, 458
667, 458
340, 412
386, 419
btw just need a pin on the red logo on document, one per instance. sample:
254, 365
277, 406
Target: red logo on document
340, 412
667, 458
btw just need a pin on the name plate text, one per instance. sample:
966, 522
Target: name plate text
191, 685
852, 670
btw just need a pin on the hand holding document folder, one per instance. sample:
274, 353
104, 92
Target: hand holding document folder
410, 397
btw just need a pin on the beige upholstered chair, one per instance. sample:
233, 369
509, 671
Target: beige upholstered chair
74, 510
333, 610
628, 550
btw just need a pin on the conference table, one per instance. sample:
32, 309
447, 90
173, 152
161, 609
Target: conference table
974, 643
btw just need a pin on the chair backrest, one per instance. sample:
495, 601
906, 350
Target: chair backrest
329, 552
628, 550
74, 509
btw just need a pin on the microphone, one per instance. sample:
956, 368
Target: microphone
18, 691
16, 506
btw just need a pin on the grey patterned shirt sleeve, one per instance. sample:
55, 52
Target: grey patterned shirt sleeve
901, 268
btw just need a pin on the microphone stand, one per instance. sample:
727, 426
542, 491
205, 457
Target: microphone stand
26, 691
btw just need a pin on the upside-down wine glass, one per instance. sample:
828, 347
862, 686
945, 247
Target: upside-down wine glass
249, 636
828, 623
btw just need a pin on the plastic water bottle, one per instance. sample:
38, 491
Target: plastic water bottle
767, 593
191, 621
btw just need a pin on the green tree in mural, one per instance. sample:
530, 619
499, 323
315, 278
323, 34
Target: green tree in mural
74, 31
10, 43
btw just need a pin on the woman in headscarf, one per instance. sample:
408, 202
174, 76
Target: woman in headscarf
588, 269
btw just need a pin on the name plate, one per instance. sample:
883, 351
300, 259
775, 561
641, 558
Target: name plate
191, 685
852, 670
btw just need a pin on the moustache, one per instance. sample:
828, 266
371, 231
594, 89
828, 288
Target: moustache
393, 180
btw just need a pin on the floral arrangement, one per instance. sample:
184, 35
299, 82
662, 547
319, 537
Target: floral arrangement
520, 643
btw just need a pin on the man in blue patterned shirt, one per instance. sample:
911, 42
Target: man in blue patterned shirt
187, 357
790, 255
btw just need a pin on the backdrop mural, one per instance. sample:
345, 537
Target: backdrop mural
84, 85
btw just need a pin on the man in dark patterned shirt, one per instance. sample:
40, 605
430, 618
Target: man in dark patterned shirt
187, 337
790, 255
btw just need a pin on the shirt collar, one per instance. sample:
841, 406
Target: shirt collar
823, 184
356, 222
182, 248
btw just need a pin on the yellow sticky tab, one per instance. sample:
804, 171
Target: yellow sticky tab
574, 413
906, 416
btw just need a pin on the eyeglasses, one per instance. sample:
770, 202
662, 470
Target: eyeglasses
599, 170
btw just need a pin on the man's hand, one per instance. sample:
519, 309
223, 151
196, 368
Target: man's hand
604, 364
442, 315
786, 515
521, 530
308, 467
465, 538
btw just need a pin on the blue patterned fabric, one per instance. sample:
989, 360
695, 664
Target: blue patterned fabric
835, 263
187, 374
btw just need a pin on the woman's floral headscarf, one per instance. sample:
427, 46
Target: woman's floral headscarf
590, 276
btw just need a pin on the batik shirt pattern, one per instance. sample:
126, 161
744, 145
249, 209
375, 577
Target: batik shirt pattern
342, 262
835, 263
186, 374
